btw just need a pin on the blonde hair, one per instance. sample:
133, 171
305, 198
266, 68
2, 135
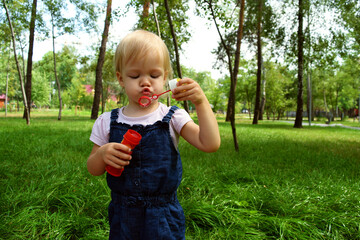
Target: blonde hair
140, 44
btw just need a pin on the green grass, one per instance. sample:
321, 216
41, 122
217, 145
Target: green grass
284, 183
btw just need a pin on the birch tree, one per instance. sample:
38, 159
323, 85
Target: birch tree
232, 59
30, 55
100, 63
17, 64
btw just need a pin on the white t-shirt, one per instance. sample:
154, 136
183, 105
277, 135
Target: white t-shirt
101, 130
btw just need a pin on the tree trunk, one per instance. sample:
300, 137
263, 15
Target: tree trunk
249, 107
30, 55
146, 8
263, 94
326, 107
309, 97
100, 63
178, 66
235, 72
18, 65
23, 63
55, 72
259, 65
231, 100
230, 114
156, 19
298, 119
103, 99
168, 99
7, 80
145, 14
308, 72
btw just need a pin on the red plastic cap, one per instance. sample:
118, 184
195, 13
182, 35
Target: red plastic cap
114, 171
133, 137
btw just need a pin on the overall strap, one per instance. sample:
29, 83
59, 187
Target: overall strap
168, 116
114, 115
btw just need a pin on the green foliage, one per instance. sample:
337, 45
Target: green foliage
179, 16
285, 183
280, 92
213, 89
338, 88
18, 11
78, 95
66, 65
348, 17
247, 84
331, 51
40, 89
85, 18
66, 69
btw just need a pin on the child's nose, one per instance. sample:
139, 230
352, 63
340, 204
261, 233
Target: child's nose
145, 82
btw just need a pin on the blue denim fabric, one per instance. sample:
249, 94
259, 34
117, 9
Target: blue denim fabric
144, 203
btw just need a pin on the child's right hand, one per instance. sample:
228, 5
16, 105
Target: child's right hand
189, 90
116, 155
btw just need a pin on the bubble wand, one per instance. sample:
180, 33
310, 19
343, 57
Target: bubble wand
145, 101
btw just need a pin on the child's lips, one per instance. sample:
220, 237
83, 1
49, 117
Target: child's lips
146, 92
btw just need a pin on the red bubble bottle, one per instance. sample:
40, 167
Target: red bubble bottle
131, 139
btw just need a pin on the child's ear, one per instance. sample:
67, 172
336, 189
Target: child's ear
165, 76
120, 79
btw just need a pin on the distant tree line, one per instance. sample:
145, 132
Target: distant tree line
305, 54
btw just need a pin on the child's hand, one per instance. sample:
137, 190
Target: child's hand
188, 89
116, 155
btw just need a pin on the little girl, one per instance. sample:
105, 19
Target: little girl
144, 203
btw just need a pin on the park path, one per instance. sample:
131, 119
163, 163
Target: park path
326, 125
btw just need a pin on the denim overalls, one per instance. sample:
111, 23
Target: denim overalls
144, 202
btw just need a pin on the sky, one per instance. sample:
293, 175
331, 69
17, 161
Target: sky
197, 52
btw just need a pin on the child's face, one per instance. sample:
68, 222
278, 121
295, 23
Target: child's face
143, 77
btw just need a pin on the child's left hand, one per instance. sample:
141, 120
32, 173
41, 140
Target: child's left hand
204, 136
189, 90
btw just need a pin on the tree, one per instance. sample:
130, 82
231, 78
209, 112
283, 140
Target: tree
66, 65
30, 55
300, 36
7, 81
55, 72
178, 66
64, 25
111, 86
18, 65
259, 63
41, 89
155, 18
279, 91
247, 86
101, 59
263, 93
348, 37
216, 13
67, 60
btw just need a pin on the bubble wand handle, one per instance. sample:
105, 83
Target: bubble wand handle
145, 101
131, 139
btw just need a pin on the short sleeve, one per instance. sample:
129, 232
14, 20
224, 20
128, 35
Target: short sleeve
179, 119
101, 130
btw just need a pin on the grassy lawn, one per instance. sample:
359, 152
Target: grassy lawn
285, 183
